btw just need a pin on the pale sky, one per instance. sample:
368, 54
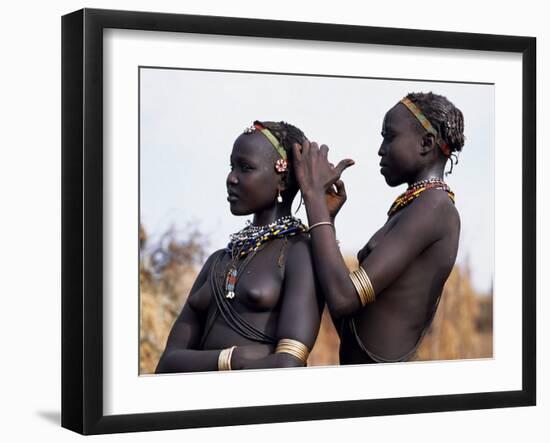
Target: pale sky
190, 119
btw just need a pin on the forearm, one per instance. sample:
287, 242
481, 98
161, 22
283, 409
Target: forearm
188, 360
330, 267
277, 360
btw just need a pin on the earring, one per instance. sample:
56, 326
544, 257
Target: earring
279, 197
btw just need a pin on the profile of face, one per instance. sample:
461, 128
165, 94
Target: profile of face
253, 183
401, 146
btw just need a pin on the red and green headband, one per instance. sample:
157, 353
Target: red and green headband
282, 164
427, 125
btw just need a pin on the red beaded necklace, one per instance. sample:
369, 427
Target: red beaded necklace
414, 190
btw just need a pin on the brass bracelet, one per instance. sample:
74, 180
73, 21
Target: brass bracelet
363, 286
224, 359
320, 224
294, 348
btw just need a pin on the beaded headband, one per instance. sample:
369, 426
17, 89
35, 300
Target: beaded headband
282, 164
427, 125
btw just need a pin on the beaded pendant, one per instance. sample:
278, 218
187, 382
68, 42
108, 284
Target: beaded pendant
230, 282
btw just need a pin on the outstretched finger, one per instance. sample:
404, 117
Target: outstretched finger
344, 164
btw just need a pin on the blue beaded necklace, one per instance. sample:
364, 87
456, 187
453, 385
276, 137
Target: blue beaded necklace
250, 239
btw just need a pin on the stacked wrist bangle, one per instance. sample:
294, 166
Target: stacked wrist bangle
293, 347
224, 359
319, 224
363, 286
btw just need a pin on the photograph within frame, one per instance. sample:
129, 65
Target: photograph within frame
182, 113
82, 316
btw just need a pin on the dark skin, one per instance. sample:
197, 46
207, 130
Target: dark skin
280, 300
407, 260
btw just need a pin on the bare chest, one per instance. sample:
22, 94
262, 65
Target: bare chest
257, 283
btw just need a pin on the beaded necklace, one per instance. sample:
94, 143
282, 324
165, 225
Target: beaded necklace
414, 191
250, 240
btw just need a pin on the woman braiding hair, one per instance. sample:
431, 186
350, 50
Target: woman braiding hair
384, 307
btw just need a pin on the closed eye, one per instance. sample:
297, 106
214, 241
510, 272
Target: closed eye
245, 167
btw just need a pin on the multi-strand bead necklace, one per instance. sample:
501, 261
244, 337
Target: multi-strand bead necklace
250, 239
414, 191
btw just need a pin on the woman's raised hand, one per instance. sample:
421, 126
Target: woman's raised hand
335, 198
315, 174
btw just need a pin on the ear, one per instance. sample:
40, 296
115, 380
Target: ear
428, 144
283, 181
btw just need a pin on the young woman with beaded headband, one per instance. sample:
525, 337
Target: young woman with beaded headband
254, 304
383, 308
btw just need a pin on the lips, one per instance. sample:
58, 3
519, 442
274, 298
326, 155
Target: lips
232, 196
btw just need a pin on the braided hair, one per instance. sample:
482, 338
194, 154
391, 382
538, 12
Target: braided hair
287, 135
444, 116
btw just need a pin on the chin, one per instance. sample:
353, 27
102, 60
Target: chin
393, 181
389, 180
235, 210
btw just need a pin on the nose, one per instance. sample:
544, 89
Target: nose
382, 150
231, 179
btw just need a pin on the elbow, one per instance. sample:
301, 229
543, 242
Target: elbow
160, 366
284, 360
164, 366
342, 303
342, 309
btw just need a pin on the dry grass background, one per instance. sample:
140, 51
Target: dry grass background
462, 327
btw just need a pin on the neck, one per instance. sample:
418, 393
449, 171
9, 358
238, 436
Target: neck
271, 214
434, 171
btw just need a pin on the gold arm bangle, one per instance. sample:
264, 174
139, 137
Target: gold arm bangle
319, 224
224, 359
294, 348
358, 288
361, 273
363, 286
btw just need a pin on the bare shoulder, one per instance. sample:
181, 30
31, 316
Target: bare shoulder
436, 203
300, 242
213, 256
299, 248
209, 262
430, 216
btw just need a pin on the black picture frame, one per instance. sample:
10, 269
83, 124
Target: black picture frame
82, 218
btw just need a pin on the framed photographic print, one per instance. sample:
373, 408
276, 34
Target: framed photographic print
169, 122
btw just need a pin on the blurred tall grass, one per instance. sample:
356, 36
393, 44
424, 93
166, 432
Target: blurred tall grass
462, 327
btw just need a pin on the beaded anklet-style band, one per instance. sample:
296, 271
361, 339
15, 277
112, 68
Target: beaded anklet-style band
224, 359
293, 347
363, 286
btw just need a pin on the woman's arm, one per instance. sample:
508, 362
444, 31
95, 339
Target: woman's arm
179, 354
387, 261
300, 315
